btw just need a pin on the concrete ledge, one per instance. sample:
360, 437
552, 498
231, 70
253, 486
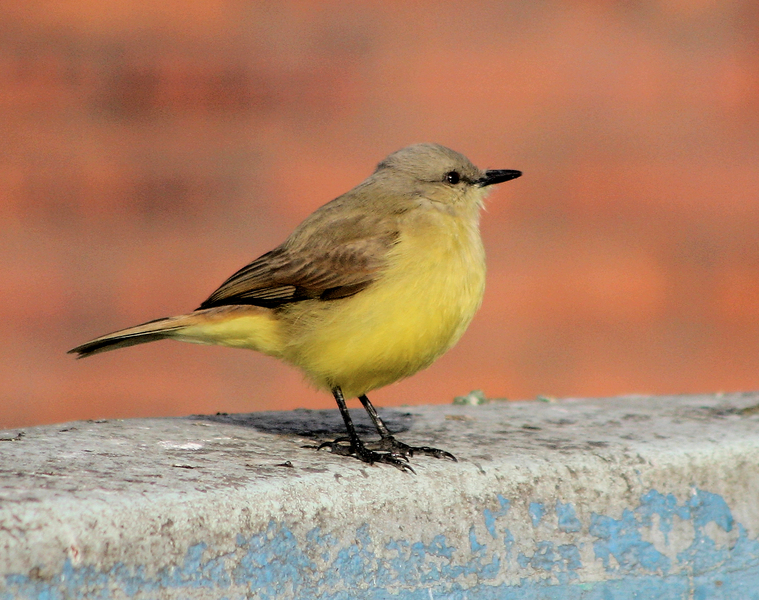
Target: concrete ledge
634, 497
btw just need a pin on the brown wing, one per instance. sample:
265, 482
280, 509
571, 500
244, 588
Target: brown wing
326, 269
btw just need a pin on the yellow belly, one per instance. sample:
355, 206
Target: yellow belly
417, 310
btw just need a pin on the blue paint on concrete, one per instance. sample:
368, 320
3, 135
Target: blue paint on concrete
490, 516
508, 542
665, 507
561, 561
568, 521
707, 508
275, 563
474, 546
536, 510
621, 539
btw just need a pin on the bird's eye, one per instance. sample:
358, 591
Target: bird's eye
452, 177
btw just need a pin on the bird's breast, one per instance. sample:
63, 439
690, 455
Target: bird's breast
416, 310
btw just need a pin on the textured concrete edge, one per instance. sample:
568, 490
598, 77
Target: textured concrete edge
663, 547
670, 524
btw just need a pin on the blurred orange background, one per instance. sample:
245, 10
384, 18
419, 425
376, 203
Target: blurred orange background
150, 149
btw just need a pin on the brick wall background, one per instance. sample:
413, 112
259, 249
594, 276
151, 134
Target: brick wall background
149, 149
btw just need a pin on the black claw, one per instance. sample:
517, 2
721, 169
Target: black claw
436, 452
362, 453
394, 447
338, 446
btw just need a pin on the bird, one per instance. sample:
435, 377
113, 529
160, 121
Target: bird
371, 288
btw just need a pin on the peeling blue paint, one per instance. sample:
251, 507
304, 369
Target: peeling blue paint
562, 561
474, 545
490, 516
721, 563
536, 510
568, 521
621, 539
666, 507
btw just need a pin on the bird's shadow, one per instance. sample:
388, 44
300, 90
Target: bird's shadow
312, 423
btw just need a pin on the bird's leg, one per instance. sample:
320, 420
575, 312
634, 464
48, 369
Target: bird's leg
393, 446
355, 446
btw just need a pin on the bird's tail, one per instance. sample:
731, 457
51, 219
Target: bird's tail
152, 331
238, 326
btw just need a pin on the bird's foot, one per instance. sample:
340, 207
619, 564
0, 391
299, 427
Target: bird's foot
344, 446
392, 446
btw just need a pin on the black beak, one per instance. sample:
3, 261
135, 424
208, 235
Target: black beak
498, 176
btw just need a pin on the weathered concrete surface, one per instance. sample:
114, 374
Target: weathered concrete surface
610, 499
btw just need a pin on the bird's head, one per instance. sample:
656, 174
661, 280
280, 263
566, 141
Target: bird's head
439, 175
